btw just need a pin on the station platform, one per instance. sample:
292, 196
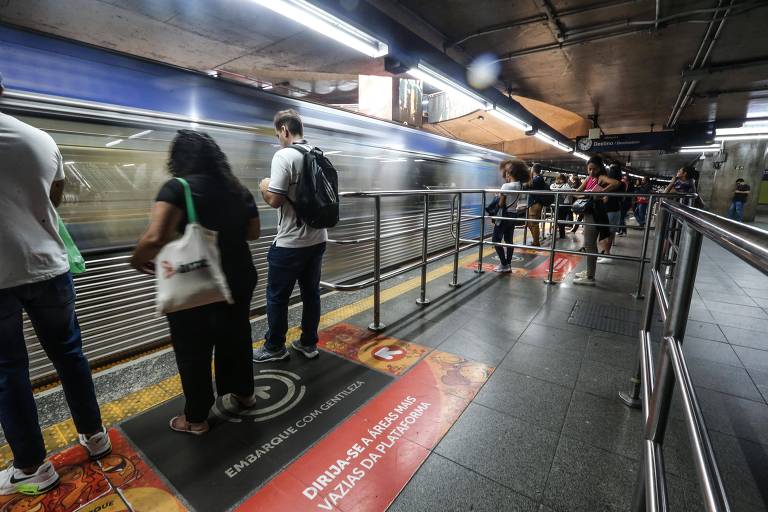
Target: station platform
500, 394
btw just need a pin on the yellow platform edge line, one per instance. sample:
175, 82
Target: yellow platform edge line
63, 434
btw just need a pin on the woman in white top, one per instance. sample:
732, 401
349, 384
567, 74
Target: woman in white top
515, 173
564, 209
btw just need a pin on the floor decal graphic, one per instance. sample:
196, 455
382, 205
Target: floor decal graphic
385, 354
534, 265
364, 464
300, 401
121, 481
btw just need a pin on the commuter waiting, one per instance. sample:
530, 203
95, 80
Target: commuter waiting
297, 251
575, 182
223, 205
514, 173
594, 213
35, 277
740, 195
613, 205
564, 208
641, 202
536, 202
683, 182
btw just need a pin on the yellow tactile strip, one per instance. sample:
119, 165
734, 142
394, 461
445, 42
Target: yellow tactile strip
60, 435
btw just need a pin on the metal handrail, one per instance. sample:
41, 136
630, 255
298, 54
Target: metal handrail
689, 226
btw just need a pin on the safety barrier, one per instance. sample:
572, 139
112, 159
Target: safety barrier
679, 233
458, 218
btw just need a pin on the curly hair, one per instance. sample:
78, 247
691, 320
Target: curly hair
197, 153
517, 168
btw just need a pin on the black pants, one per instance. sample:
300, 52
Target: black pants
563, 213
199, 332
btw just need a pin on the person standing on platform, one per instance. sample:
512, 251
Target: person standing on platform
515, 173
626, 203
564, 208
35, 277
740, 196
641, 202
296, 255
575, 183
683, 182
219, 330
536, 203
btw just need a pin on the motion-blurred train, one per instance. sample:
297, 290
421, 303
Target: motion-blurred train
113, 118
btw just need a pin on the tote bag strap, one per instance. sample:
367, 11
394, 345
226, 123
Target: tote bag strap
191, 213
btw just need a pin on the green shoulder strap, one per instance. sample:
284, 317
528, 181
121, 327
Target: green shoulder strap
191, 213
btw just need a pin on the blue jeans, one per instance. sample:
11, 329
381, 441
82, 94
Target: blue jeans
286, 266
736, 211
504, 230
641, 210
50, 306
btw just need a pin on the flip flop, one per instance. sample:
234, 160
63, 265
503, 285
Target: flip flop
187, 429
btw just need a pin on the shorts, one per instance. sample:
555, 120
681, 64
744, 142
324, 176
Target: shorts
614, 219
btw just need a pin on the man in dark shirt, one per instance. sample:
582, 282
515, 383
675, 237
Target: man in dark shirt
740, 196
536, 202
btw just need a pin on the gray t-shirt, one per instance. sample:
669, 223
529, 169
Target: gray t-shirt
514, 200
30, 247
286, 167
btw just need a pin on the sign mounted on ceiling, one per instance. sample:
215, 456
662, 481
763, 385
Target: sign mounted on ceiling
627, 142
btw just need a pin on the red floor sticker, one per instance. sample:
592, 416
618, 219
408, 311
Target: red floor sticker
122, 481
382, 353
535, 265
365, 463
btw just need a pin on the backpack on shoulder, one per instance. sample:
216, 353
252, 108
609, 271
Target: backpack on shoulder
317, 191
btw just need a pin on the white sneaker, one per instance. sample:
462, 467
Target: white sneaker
583, 273
502, 268
585, 281
13, 480
98, 445
604, 261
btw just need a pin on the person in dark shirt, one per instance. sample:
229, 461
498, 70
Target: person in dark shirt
740, 196
641, 202
223, 205
536, 203
683, 182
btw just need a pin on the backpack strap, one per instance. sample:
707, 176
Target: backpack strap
191, 213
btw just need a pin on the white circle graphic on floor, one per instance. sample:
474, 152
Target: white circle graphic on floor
276, 392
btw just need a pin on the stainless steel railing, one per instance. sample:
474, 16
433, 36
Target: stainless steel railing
679, 233
461, 244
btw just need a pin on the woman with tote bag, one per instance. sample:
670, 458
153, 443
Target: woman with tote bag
206, 278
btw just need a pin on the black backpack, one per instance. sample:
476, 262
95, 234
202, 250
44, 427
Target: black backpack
317, 191
544, 199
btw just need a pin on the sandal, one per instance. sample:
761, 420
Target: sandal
180, 424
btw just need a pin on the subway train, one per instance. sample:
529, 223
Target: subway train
113, 117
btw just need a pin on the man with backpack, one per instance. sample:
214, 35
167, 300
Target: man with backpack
303, 187
536, 202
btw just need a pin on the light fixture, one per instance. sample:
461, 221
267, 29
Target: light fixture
331, 152
129, 165
581, 155
327, 24
508, 118
140, 134
713, 148
760, 136
443, 83
748, 129
69, 163
113, 143
552, 141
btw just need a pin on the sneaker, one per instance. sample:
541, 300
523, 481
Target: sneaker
13, 480
98, 445
502, 268
310, 352
583, 273
264, 355
605, 260
585, 281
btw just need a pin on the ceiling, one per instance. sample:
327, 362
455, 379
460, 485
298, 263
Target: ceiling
556, 54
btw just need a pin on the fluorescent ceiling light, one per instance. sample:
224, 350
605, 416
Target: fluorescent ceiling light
113, 143
714, 148
508, 118
69, 163
760, 136
443, 83
581, 155
327, 24
755, 129
129, 165
140, 134
552, 141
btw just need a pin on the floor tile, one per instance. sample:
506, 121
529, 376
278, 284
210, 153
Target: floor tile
614, 350
714, 351
602, 379
605, 423
757, 324
734, 416
553, 338
743, 466
746, 337
550, 365
736, 309
720, 296
509, 451
558, 318
469, 344
760, 378
706, 330
502, 331
527, 398
753, 358
723, 378
588, 479
760, 293
441, 484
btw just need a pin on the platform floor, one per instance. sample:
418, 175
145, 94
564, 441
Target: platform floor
522, 410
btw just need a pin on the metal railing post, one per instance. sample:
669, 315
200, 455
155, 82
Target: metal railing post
479, 269
552, 246
377, 325
632, 398
423, 300
455, 282
646, 232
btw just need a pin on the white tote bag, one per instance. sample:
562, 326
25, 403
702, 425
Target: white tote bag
188, 270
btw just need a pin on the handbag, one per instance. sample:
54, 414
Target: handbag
188, 273
76, 260
583, 205
492, 208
